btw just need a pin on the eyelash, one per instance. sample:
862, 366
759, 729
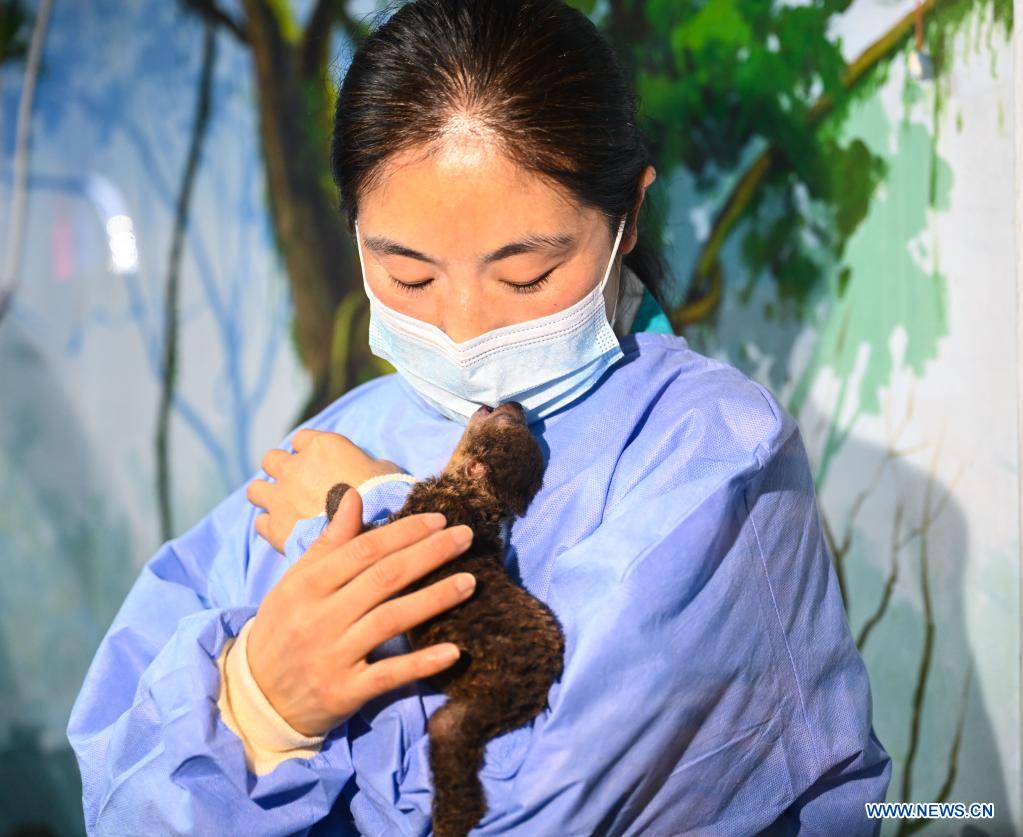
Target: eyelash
528, 288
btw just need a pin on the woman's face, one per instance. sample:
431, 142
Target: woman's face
474, 233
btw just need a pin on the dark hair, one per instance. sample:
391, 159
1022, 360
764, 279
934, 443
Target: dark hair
537, 73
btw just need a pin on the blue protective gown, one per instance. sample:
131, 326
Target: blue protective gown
711, 684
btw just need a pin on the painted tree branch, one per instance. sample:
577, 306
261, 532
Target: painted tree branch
839, 548
316, 37
319, 256
704, 288
909, 826
212, 13
920, 689
11, 265
169, 360
889, 585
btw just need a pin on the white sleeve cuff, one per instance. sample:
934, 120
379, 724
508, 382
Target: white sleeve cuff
364, 486
267, 738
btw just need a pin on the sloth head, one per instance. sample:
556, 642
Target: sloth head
498, 460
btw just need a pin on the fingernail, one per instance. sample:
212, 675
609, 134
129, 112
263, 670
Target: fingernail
435, 520
445, 654
464, 582
462, 535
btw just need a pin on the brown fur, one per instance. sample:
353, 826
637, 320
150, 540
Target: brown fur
512, 643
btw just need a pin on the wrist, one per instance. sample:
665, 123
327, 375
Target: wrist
279, 730
267, 737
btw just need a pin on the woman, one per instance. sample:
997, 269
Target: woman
492, 172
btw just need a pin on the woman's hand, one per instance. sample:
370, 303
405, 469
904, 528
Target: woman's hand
302, 480
307, 647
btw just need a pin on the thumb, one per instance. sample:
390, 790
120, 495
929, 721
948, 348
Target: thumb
347, 520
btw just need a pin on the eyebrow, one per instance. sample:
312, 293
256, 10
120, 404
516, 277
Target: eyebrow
529, 244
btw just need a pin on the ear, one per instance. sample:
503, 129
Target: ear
631, 234
474, 469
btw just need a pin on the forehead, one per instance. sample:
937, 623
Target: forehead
464, 195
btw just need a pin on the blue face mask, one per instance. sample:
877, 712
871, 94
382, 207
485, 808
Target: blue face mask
543, 363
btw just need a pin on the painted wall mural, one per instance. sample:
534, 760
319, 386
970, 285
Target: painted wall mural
836, 203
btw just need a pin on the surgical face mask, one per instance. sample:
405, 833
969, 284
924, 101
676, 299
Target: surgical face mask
543, 363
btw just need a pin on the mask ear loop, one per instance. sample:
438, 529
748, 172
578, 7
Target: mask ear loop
621, 283
618, 298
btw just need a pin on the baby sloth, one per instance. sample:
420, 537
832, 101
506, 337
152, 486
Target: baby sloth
512, 644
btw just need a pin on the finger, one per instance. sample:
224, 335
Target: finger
392, 672
396, 616
308, 438
281, 525
342, 527
273, 461
260, 493
262, 526
344, 560
303, 438
383, 577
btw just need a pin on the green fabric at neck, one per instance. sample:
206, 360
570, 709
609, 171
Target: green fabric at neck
651, 317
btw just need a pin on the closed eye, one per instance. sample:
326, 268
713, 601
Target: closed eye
535, 285
528, 287
405, 286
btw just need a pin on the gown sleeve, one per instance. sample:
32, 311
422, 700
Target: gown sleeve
711, 682
155, 756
